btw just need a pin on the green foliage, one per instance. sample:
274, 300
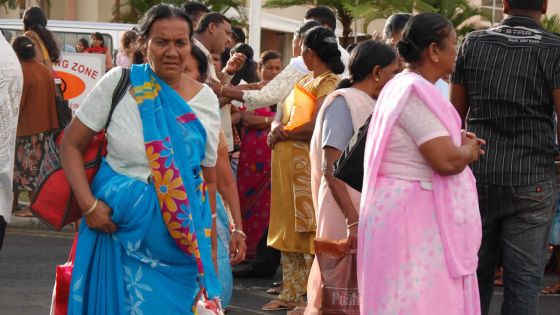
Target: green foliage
457, 11
551, 23
9, 4
341, 7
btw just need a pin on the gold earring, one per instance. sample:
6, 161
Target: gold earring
437, 60
376, 79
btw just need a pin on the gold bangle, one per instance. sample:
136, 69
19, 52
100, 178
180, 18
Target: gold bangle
240, 232
222, 90
91, 209
352, 224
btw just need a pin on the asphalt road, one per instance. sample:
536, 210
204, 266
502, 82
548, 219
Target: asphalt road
29, 257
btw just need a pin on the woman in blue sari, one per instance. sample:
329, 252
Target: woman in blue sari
145, 247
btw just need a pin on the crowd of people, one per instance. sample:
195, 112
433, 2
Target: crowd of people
215, 158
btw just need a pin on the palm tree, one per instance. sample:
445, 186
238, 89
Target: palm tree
459, 12
341, 7
10, 4
551, 23
45, 5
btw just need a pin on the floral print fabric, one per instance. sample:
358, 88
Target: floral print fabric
253, 182
29, 153
411, 273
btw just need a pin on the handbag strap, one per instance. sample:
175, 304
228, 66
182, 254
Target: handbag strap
118, 94
72, 254
349, 151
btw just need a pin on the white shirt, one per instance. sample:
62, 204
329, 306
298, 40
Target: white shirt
276, 91
11, 85
126, 150
225, 111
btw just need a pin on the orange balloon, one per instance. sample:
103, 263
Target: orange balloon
72, 86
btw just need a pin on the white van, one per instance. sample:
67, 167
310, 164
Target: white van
67, 33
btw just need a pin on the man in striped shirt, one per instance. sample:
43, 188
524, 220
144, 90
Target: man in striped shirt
507, 85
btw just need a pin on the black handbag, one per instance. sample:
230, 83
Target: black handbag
63, 111
349, 168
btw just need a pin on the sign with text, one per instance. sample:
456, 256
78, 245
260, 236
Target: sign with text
79, 73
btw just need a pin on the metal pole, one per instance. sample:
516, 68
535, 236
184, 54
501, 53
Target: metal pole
255, 26
494, 12
356, 26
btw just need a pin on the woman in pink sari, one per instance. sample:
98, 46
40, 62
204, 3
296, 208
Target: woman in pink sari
420, 229
253, 173
372, 65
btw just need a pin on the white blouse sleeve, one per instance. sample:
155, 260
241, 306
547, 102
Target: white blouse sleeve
207, 109
419, 122
94, 111
275, 91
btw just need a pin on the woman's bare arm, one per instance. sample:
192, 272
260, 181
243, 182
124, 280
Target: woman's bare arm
75, 141
228, 189
448, 159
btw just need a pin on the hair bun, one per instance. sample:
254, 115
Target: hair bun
403, 48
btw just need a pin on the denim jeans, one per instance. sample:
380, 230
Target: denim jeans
515, 224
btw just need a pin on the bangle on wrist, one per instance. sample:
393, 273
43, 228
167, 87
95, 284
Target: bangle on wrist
240, 232
91, 209
221, 90
352, 224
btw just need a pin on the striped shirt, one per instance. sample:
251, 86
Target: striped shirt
509, 72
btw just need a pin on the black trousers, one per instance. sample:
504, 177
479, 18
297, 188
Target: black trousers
268, 258
3, 225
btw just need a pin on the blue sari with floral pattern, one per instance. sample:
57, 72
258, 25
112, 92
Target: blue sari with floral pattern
160, 257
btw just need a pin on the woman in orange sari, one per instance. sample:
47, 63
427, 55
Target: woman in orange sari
292, 216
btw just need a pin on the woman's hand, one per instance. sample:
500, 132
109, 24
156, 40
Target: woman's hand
100, 219
276, 134
352, 233
471, 140
237, 248
247, 118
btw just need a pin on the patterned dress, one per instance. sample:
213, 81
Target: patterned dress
253, 182
11, 85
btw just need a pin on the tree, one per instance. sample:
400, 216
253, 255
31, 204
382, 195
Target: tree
10, 4
341, 8
45, 5
459, 12
130, 11
551, 23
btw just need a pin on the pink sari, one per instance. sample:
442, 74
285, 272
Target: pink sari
253, 182
417, 248
331, 223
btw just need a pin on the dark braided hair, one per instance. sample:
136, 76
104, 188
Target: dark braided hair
24, 47
34, 19
421, 31
324, 44
366, 56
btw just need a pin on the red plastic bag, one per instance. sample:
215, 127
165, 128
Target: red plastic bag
340, 280
62, 283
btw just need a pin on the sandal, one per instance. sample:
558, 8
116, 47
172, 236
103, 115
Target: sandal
278, 305
274, 291
300, 310
553, 289
23, 213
